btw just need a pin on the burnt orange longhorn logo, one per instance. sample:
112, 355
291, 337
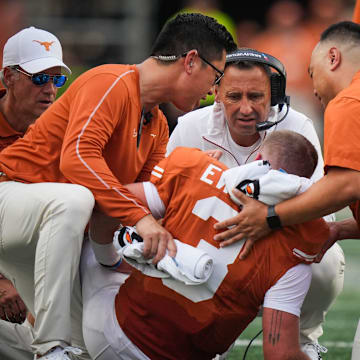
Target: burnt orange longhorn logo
46, 44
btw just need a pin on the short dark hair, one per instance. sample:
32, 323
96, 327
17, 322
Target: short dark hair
247, 64
193, 31
292, 152
343, 31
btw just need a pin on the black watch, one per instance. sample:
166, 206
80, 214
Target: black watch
273, 219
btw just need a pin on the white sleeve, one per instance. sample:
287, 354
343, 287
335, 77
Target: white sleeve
305, 183
289, 292
155, 204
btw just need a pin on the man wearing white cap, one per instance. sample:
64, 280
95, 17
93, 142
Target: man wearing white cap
31, 74
31, 51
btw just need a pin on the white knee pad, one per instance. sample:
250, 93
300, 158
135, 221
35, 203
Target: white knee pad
326, 284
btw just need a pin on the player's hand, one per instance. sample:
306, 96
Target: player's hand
249, 224
214, 153
333, 237
12, 307
156, 239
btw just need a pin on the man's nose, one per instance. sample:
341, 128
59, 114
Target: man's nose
245, 106
49, 88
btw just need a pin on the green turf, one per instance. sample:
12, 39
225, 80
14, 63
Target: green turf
341, 321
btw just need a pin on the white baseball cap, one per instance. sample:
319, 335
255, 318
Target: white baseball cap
34, 50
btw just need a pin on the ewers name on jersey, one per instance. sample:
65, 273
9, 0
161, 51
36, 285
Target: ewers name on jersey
197, 322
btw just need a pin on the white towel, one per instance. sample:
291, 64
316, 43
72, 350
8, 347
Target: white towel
191, 265
266, 185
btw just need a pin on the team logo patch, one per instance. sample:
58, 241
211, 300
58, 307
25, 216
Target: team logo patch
45, 44
250, 188
127, 235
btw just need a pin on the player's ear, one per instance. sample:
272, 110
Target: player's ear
8, 77
334, 56
189, 60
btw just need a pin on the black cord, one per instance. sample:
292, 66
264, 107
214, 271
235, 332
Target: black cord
265, 125
248, 347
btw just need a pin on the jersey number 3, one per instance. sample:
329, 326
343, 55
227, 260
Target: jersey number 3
220, 211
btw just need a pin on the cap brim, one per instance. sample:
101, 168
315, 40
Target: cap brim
38, 65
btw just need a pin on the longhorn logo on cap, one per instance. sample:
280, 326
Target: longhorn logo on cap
46, 44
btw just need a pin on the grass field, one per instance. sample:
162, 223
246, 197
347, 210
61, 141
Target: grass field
341, 320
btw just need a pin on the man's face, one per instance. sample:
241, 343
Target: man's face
320, 75
246, 96
29, 99
200, 85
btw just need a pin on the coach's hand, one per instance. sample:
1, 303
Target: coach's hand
156, 239
249, 224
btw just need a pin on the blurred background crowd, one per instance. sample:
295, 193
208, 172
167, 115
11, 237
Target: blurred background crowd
94, 32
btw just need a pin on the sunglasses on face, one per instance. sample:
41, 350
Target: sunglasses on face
219, 72
217, 77
42, 79
175, 57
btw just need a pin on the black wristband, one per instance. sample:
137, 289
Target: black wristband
273, 219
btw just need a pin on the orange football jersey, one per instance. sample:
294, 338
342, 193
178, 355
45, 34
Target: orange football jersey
169, 320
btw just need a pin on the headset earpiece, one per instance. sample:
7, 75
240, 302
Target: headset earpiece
277, 89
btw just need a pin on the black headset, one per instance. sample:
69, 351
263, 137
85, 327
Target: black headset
277, 80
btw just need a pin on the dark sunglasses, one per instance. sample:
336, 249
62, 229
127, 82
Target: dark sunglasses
42, 79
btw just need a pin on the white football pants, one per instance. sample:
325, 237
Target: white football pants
103, 335
15, 341
326, 284
42, 228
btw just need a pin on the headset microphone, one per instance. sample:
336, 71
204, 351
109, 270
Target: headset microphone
277, 80
265, 125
